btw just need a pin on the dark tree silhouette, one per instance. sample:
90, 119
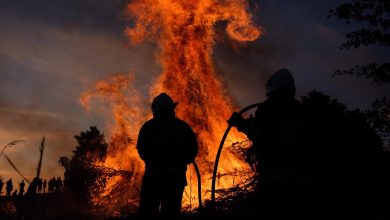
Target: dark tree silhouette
379, 119
81, 174
373, 17
373, 13
64, 162
349, 165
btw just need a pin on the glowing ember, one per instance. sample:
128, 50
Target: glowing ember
185, 34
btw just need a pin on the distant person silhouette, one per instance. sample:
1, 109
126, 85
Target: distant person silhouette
40, 185
9, 187
58, 184
15, 193
1, 186
33, 187
167, 145
52, 183
21, 187
280, 138
44, 186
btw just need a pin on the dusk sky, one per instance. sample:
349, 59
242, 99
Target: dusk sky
52, 51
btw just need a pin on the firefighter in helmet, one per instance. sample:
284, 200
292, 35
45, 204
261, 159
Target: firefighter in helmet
278, 133
167, 145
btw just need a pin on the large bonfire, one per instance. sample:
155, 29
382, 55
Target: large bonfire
185, 33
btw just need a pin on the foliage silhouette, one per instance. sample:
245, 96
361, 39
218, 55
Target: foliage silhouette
80, 172
373, 16
348, 166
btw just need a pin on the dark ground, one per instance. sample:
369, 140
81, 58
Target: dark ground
64, 206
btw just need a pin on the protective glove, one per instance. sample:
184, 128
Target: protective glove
236, 120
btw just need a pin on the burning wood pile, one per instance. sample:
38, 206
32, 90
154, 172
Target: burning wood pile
185, 33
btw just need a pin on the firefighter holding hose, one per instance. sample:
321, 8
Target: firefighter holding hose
278, 132
167, 145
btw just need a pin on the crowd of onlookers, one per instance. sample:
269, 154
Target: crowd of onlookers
38, 185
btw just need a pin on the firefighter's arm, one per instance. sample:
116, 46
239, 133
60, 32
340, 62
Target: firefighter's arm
246, 126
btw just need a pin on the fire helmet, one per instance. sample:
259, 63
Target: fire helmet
281, 80
163, 101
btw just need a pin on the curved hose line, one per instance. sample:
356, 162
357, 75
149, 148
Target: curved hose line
199, 185
220, 150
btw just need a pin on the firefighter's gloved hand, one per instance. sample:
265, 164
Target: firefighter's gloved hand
236, 120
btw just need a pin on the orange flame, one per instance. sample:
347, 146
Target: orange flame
185, 32
126, 114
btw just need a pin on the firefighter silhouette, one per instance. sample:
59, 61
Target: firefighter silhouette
278, 132
167, 145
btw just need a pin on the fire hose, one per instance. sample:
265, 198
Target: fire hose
199, 184
220, 150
